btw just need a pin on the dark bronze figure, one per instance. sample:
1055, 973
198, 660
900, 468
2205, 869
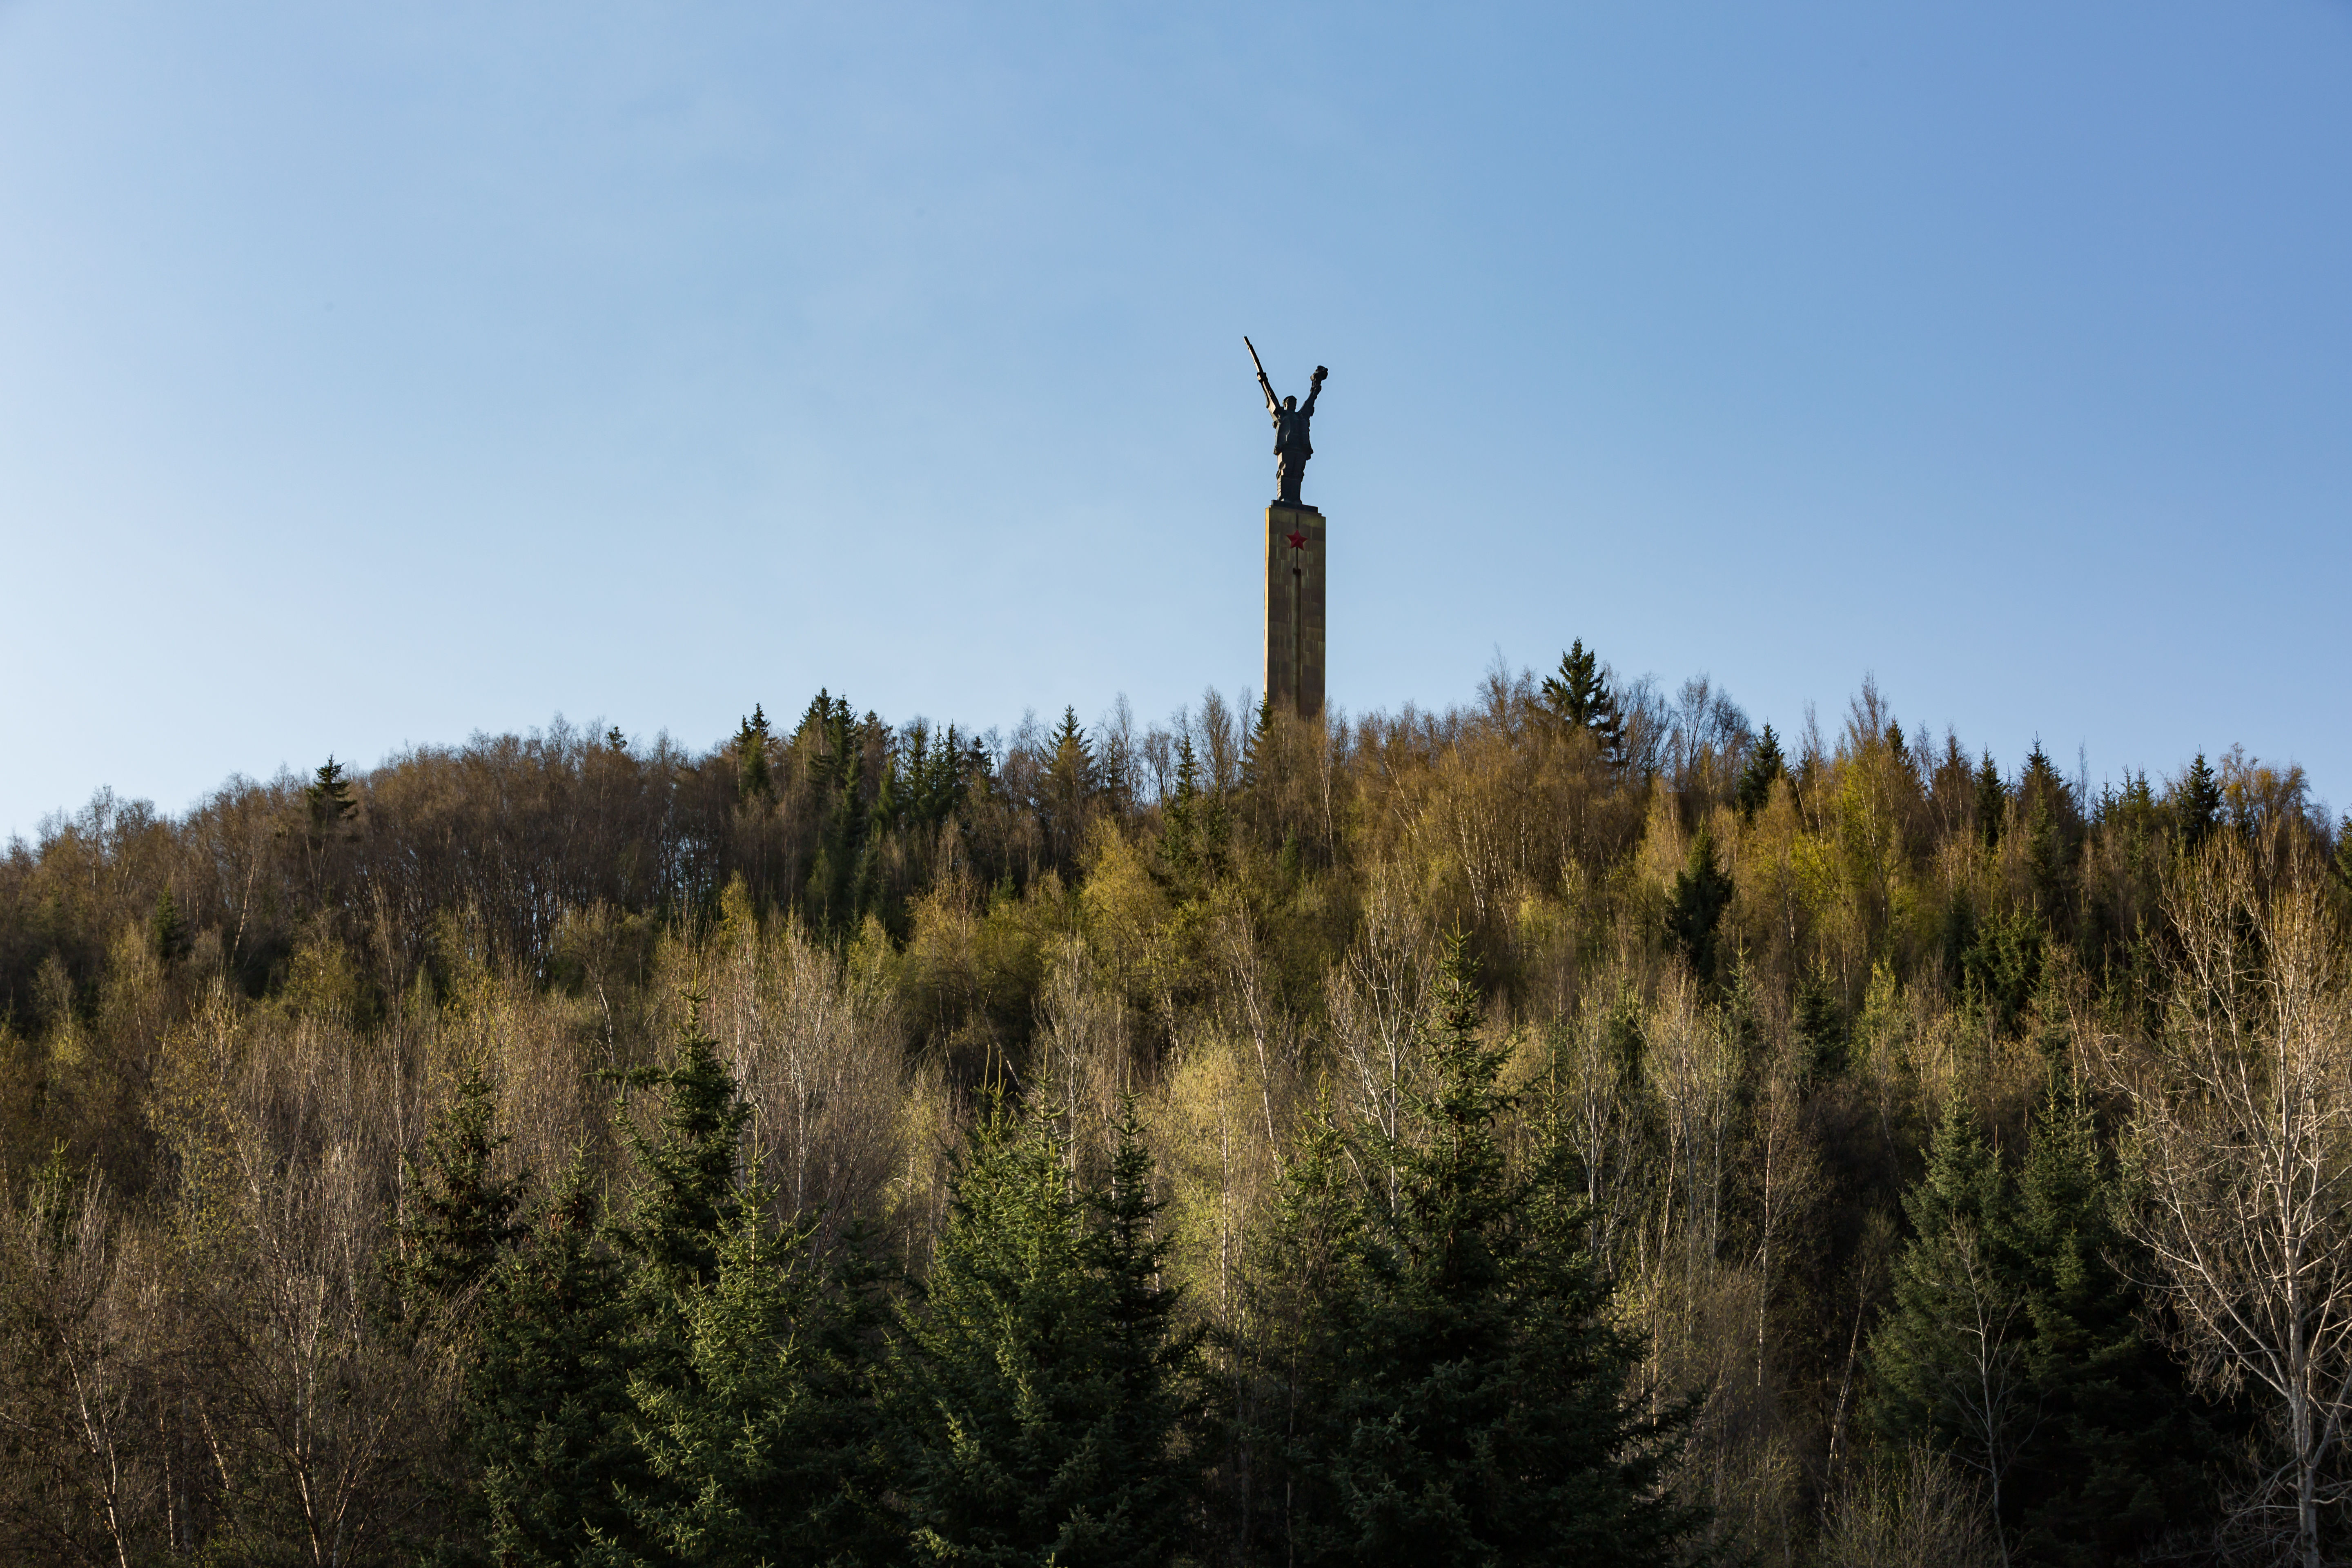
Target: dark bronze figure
1291, 445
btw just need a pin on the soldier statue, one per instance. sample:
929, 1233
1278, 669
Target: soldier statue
1291, 418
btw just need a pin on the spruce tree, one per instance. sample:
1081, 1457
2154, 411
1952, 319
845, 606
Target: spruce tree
1579, 697
168, 930
2197, 804
687, 1165
1480, 1408
752, 779
1151, 1440
1765, 764
1302, 1296
1991, 804
1948, 1359
1039, 1386
456, 1217
757, 1441
329, 797
546, 1406
1702, 892
2018, 1343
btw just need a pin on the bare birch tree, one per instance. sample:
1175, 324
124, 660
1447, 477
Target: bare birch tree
2243, 1124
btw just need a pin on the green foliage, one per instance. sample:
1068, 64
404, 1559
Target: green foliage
753, 780
1991, 804
329, 797
1765, 764
2197, 804
1702, 891
1045, 1397
457, 1214
2017, 1342
168, 931
546, 1398
1474, 1402
757, 1437
687, 1194
1579, 697
2002, 966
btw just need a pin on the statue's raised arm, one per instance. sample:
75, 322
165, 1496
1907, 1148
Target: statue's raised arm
1273, 403
1313, 391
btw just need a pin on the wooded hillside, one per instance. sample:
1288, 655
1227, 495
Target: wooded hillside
1578, 1126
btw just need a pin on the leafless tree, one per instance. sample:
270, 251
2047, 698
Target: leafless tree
2242, 1123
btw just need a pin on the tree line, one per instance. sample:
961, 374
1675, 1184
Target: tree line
1577, 1125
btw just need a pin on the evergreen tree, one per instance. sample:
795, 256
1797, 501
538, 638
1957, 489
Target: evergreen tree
836, 773
456, 1213
1702, 892
546, 1406
757, 1441
1949, 1358
1258, 747
1579, 697
329, 797
1179, 836
2197, 804
1765, 764
1479, 1409
168, 930
686, 1167
1302, 1296
1070, 784
1039, 1385
2126, 1446
752, 779
1151, 1442
1991, 804
2018, 1343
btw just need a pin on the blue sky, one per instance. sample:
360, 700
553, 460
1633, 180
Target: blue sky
371, 375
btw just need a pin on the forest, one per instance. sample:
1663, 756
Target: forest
1581, 1125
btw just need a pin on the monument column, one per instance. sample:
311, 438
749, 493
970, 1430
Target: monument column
1294, 557
1293, 609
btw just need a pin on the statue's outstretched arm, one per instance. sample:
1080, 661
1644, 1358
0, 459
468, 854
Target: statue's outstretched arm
1313, 391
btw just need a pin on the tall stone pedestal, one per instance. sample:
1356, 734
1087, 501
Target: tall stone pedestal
1293, 609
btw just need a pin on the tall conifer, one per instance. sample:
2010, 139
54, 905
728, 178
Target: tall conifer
1478, 1406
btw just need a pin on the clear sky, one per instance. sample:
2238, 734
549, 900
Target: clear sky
374, 374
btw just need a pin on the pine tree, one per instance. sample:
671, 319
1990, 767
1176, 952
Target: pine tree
329, 797
2197, 804
1579, 697
1765, 764
2125, 1446
1948, 1360
1071, 785
837, 779
1991, 804
1258, 747
1480, 1410
687, 1165
1151, 1447
168, 930
1038, 1384
1301, 1296
757, 1442
1702, 892
2018, 1343
457, 1213
546, 1409
753, 780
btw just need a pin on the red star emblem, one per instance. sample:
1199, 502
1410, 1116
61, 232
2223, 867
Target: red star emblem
1297, 541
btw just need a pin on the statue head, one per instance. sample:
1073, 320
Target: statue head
1290, 405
